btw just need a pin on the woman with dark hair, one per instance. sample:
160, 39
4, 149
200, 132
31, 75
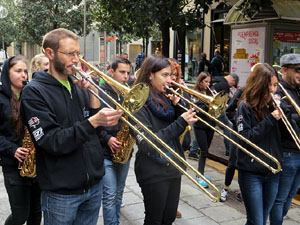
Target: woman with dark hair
158, 179
203, 133
257, 120
23, 193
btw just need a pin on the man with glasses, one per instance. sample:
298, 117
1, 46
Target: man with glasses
115, 173
62, 118
290, 175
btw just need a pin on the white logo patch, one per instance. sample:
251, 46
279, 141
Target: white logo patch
240, 127
33, 122
38, 133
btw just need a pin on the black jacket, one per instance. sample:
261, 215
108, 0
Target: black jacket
105, 133
220, 84
288, 144
199, 124
69, 155
202, 64
217, 66
9, 141
265, 134
147, 169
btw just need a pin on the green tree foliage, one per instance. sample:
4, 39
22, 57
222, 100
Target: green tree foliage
139, 17
8, 28
37, 17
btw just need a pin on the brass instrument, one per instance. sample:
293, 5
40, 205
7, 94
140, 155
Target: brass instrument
284, 118
217, 103
28, 166
274, 171
134, 99
168, 148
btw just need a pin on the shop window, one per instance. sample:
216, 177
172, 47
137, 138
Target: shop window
192, 53
285, 42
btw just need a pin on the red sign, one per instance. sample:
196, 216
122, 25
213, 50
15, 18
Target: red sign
287, 36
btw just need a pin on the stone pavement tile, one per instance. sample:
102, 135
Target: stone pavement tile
235, 222
133, 212
131, 198
293, 215
188, 212
131, 180
222, 213
195, 221
200, 201
188, 190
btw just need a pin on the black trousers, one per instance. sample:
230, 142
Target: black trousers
231, 165
161, 201
204, 138
24, 198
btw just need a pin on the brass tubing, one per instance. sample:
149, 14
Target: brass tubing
182, 160
274, 171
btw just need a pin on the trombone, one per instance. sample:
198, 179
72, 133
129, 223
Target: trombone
217, 103
125, 108
284, 118
273, 170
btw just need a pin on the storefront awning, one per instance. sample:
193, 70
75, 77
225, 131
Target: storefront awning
281, 9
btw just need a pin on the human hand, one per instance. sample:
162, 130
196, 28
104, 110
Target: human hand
21, 154
105, 117
174, 98
114, 144
276, 114
189, 116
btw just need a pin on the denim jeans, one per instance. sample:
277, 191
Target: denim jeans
259, 193
75, 209
194, 147
24, 198
113, 188
289, 183
224, 120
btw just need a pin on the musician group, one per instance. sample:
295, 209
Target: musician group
80, 131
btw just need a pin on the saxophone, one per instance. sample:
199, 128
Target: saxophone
28, 166
128, 141
133, 101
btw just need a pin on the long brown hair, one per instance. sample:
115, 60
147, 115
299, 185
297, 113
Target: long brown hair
153, 64
15, 102
203, 75
256, 93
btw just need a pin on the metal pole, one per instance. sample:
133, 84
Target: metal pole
84, 30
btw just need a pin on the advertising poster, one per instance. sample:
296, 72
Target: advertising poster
247, 49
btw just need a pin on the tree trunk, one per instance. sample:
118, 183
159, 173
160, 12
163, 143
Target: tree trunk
165, 30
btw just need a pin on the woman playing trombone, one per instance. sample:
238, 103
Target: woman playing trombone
158, 179
257, 120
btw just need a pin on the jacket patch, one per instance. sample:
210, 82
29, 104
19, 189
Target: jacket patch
240, 127
33, 122
38, 133
85, 112
240, 118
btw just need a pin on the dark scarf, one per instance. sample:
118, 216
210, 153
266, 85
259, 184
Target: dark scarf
165, 114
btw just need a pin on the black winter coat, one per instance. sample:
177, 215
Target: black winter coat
265, 134
69, 155
287, 141
9, 141
105, 133
147, 168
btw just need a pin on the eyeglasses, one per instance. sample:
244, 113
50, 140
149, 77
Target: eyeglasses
71, 54
297, 69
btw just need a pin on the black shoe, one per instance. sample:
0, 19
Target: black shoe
193, 156
239, 197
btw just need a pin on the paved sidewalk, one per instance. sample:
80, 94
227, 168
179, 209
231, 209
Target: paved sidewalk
195, 206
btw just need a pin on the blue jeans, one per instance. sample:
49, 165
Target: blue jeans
113, 188
194, 147
77, 209
259, 193
224, 120
289, 183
